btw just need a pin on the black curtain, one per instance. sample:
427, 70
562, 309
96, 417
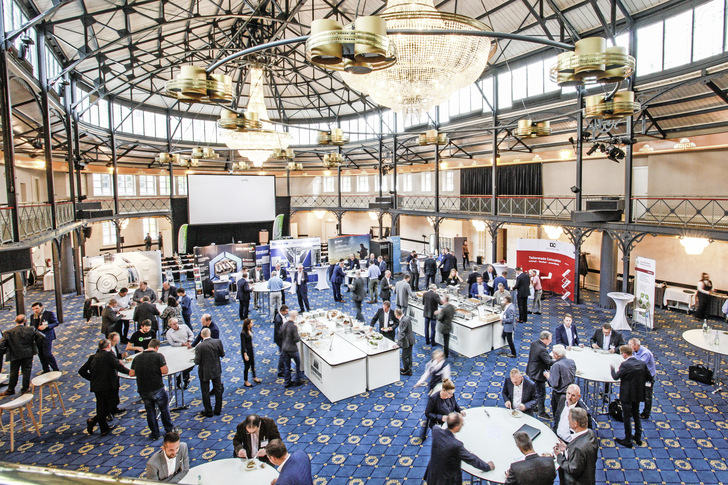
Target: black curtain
523, 179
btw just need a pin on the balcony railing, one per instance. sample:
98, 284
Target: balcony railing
689, 212
331, 201
137, 205
516, 206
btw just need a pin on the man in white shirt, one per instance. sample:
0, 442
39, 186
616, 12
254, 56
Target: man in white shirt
180, 336
373, 272
123, 298
561, 416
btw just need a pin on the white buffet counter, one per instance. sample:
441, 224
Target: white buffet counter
468, 337
343, 364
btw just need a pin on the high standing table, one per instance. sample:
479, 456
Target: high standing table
619, 322
703, 341
322, 273
178, 359
230, 470
262, 290
593, 368
488, 433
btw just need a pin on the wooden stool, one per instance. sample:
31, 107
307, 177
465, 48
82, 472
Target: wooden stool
18, 404
49, 379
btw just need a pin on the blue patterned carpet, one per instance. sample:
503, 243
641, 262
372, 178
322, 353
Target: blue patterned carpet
372, 438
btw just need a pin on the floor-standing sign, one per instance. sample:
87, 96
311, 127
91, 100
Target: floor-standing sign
644, 290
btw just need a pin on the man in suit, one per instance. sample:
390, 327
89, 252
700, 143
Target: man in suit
403, 291
45, 322
386, 286
110, 319
19, 345
607, 338
252, 436
280, 318
387, 320
149, 367
561, 375
207, 358
101, 369
523, 290
533, 469
472, 279
289, 350
572, 399
448, 453
632, 375
171, 463
358, 293
300, 279
294, 468
430, 270
645, 355
431, 302
447, 264
147, 311
206, 322
374, 274
538, 363
478, 289
578, 459
509, 323
186, 303
353, 263
413, 266
167, 291
382, 266
501, 279
445, 315
519, 392
256, 276
405, 340
337, 278
566, 334
243, 296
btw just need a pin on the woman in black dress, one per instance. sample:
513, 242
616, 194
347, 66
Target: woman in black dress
246, 349
439, 405
705, 286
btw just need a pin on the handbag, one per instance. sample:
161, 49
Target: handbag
615, 410
700, 373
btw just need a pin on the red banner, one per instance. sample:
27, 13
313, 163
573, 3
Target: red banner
554, 260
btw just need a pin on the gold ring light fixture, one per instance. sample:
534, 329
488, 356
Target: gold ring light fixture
592, 62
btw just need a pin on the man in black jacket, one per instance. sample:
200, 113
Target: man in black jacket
632, 375
207, 358
101, 369
539, 361
472, 278
578, 459
523, 290
387, 286
431, 302
445, 315
430, 270
251, 435
20, 344
533, 469
387, 321
289, 350
607, 338
358, 293
278, 322
110, 318
243, 296
147, 311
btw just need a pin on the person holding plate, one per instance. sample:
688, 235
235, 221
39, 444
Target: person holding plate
439, 405
387, 321
253, 435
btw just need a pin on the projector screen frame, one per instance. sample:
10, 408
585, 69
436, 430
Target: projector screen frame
258, 221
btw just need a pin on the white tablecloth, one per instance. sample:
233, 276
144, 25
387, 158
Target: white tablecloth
679, 295
230, 470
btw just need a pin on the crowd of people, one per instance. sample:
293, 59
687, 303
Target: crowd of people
259, 436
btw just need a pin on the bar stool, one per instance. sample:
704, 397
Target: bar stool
18, 404
49, 379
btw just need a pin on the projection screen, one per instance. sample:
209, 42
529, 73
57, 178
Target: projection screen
230, 199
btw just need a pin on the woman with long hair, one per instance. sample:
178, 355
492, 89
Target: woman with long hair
173, 310
454, 278
246, 349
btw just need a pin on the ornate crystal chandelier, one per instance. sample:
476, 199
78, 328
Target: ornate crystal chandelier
429, 68
257, 146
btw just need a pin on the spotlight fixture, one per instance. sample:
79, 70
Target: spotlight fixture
575, 189
593, 148
615, 154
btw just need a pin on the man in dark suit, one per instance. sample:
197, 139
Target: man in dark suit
413, 266
523, 290
295, 468
243, 296
578, 459
607, 338
252, 435
358, 293
445, 315
387, 286
387, 321
173, 452
45, 322
382, 266
300, 279
478, 289
147, 311
501, 279
289, 350
472, 278
448, 453
533, 469
167, 291
110, 320
353, 263
447, 264
101, 369
430, 270
337, 278
519, 392
539, 361
431, 302
19, 344
207, 358
280, 318
405, 340
566, 334
206, 322
632, 375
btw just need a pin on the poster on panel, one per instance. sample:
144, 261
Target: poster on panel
644, 290
341, 247
109, 274
290, 252
554, 260
396, 253
223, 259
262, 258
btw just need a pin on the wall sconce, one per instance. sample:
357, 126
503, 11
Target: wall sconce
373, 215
694, 245
319, 214
553, 232
479, 225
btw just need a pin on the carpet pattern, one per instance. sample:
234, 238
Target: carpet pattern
373, 437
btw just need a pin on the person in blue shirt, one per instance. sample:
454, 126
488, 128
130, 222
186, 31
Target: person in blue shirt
373, 273
645, 355
186, 303
275, 285
294, 468
337, 278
